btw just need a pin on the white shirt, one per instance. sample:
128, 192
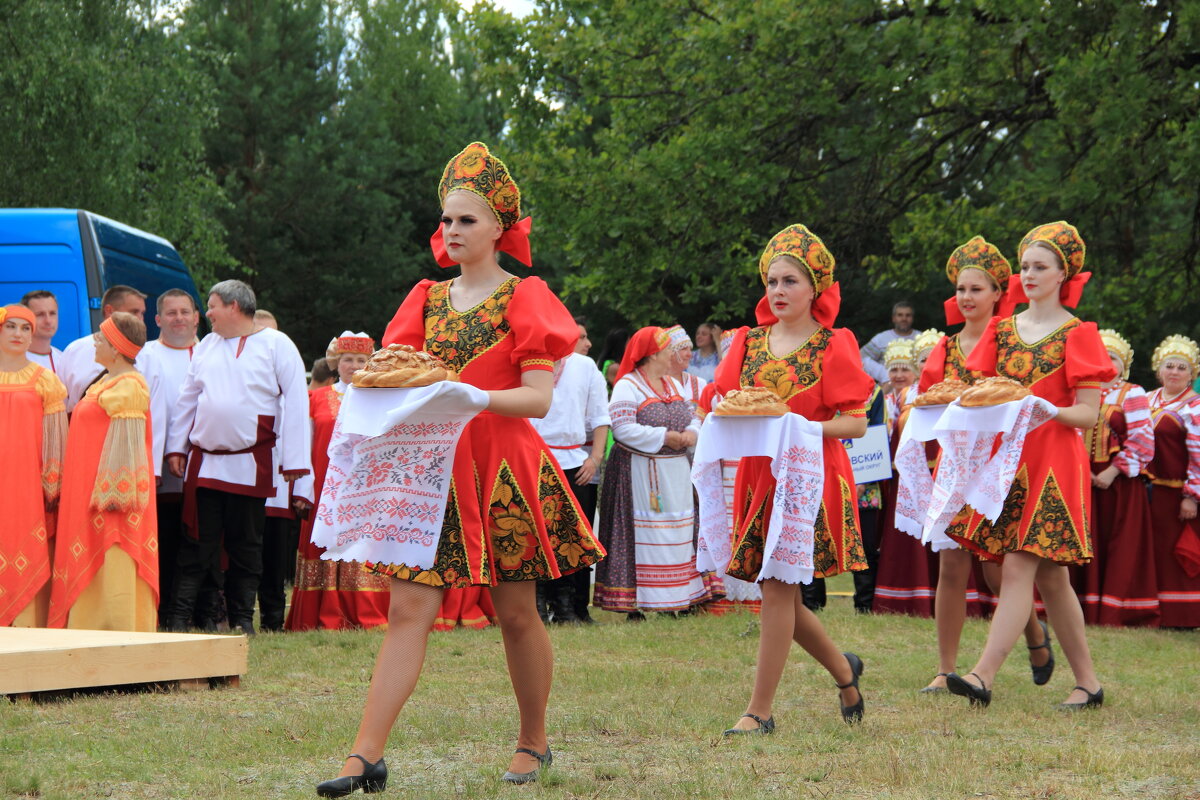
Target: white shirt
628, 395
165, 368
52, 361
579, 406
235, 391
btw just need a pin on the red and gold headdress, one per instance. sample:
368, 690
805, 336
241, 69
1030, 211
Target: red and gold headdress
798, 242
350, 342
1177, 347
645, 342
476, 170
17, 312
980, 254
1119, 348
1064, 239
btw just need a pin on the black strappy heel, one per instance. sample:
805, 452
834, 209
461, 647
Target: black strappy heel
854, 713
765, 726
978, 695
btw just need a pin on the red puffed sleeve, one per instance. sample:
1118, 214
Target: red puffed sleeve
728, 376
1087, 362
934, 370
707, 395
846, 387
983, 357
543, 328
408, 326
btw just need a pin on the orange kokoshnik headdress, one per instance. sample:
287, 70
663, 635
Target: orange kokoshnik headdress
980, 254
477, 171
806, 247
645, 342
1064, 239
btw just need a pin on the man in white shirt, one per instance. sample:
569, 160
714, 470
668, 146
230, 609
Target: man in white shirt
245, 382
79, 367
872, 351
164, 363
576, 429
44, 306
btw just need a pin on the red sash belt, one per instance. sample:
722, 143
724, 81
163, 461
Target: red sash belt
264, 485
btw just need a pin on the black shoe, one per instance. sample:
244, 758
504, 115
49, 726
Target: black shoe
635, 616
1093, 701
765, 726
244, 626
1041, 675
373, 779
936, 689
544, 760
978, 695
852, 713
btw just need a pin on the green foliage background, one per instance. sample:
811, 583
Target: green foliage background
658, 143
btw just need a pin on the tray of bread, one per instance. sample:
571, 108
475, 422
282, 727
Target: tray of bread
993, 392
402, 366
757, 401
941, 394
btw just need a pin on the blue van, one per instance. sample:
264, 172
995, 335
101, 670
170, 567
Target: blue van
78, 255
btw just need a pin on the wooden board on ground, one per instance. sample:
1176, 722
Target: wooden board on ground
44, 659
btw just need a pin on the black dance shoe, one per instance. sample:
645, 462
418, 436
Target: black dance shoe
1093, 701
1041, 675
978, 695
373, 779
854, 713
544, 760
765, 726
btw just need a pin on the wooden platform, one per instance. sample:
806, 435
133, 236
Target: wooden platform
44, 659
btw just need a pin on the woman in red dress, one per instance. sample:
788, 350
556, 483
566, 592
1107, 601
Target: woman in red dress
1118, 586
511, 519
978, 271
33, 427
334, 594
907, 570
1174, 475
1043, 526
106, 546
820, 377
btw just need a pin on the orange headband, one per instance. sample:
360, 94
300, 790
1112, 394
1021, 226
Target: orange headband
17, 312
118, 340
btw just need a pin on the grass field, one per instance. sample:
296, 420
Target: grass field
637, 712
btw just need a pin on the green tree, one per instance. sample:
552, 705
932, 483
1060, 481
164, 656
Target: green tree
104, 110
666, 141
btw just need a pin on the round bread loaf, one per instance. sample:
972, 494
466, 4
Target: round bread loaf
401, 366
754, 401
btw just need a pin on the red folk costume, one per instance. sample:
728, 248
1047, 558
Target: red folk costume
1174, 473
906, 580
33, 426
1118, 586
106, 548
1048, 506
333, 594
510, 515
818, 380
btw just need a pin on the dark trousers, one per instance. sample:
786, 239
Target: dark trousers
280, 540
170, 531
574, 591
232, 523
864, 582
